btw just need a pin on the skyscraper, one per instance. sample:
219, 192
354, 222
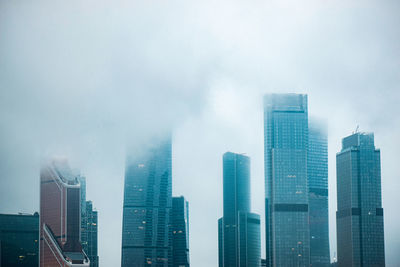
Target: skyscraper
180, 232
89, 228
359, 218
19, 240
238, 229
249, 239
82, 182
146, 235
91, 235
317, 168
286, 191
60, 217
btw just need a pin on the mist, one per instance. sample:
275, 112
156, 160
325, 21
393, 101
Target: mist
83, 79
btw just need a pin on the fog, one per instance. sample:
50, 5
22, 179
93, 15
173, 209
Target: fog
84, 78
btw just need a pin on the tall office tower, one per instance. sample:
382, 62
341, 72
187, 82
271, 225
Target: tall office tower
359, 219
317, 167
286, 192
89, 226
82, 182
84, 223
146, 235
238, 229
19, 240
180, 232
91, 233
60, 217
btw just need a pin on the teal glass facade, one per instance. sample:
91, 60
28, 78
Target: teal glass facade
317, 167
238, 229
19, 240
286, 190
236, 186
359, 216
89, 226
180, 232
249, 239
146, 235
89, 244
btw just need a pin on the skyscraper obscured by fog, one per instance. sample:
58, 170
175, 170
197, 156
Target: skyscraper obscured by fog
317, 171
60, 223
146, 235
180, 232
359, 218
238, 229
286, 191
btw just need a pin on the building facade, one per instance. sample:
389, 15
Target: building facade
89, 226
317, 167
263, 263
90, 237
146, 233
180, 232
249, 239
238, 229
60, 213
82, 182
359, 216
286, 189
19, 240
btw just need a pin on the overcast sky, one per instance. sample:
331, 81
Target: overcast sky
81, 78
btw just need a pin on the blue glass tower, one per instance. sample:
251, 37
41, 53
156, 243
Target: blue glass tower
146, 235
317, 167
359, 218
238, 229
286, 190
180, 232
91, 235
249, 239
82, 181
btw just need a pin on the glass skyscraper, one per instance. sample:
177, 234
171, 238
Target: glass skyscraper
60, 212
89, 241
249, 239
238, 229
286, 191
180, 232
19, 240
146, 235
359, 218
89, 227
317, 167
82, 181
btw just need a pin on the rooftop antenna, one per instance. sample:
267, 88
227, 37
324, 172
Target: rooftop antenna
358, 126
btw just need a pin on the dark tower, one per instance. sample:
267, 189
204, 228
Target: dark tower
146, 235
19, 240
359, 218
89, 226
180, 232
